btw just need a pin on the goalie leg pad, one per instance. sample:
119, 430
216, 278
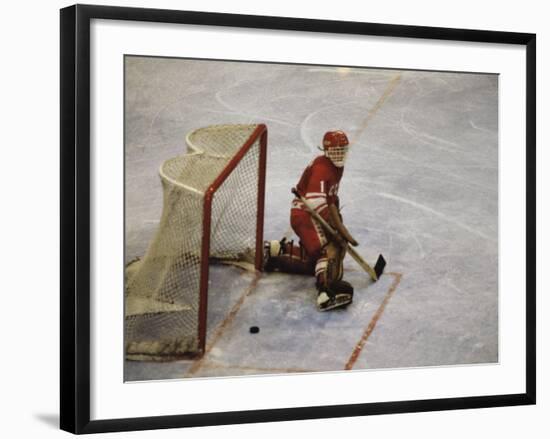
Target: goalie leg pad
335, 268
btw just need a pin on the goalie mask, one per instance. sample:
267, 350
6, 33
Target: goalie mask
335, 145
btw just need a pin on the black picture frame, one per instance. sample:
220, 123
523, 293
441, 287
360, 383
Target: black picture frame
75, 217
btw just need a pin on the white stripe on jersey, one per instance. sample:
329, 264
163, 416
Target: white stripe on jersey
315, 194
316, 202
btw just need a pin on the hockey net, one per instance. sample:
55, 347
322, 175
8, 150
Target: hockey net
212, 211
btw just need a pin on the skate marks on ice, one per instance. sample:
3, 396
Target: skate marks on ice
436, 213
361, 104
294, 336
432, 147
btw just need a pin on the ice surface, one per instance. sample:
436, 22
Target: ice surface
420, 187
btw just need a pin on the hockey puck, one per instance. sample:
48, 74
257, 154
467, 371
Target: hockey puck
254, 329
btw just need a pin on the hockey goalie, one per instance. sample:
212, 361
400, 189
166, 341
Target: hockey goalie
318, 253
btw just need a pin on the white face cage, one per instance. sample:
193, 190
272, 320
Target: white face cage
337, 154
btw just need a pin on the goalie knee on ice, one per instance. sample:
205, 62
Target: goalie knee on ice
286, 257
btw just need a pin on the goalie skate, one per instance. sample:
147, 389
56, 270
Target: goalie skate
339, 295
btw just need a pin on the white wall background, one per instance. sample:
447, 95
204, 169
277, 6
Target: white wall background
29, 243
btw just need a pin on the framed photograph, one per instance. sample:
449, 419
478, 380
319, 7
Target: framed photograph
274, 218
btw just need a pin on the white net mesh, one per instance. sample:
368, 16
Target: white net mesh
163, 288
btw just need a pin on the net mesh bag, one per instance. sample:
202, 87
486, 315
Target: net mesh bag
163, 288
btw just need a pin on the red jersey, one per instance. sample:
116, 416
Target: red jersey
319, 185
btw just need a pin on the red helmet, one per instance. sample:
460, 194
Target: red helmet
335, 145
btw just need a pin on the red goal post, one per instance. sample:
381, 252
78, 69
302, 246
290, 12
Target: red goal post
258, 135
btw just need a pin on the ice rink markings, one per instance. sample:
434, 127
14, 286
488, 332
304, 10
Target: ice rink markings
219, 331
372, 324
228, 106
392, 84
254, 369
436, 213
460, 179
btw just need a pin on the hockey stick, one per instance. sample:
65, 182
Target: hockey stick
380, 263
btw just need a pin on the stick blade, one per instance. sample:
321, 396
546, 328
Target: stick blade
379, 266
